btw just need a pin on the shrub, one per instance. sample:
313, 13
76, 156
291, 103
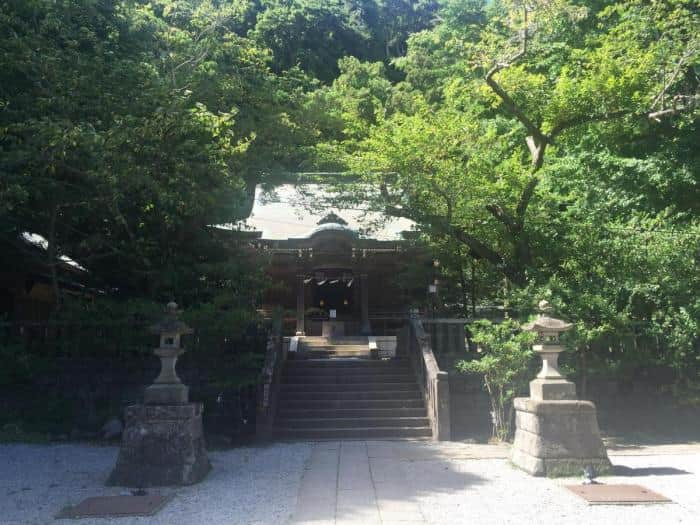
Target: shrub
506, 365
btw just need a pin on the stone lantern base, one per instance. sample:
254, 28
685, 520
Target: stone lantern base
557, 438
161, 445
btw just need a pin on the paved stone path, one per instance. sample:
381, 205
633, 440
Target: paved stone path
392, 483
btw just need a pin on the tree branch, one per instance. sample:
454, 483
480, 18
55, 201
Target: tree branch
586, 119
477, 248
525, 198
536, 140
681, 104
504, 217
446, 197
692, 49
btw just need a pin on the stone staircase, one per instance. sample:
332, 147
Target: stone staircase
341, 348
334, 390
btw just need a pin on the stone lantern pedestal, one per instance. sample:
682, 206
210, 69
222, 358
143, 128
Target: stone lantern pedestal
163, 440
556, 434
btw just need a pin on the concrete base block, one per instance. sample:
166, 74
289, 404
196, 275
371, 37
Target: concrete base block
161, 445
557, 438
548, 389
166, 394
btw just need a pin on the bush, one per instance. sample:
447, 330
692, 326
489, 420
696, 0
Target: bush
506, 365
16, 362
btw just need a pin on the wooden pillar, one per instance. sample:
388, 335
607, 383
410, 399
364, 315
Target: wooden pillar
365, 328
300, 305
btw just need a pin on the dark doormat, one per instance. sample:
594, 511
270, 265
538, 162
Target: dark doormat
600, 494
115, 507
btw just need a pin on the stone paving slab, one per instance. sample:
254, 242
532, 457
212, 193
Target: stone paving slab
404, 482
422, 450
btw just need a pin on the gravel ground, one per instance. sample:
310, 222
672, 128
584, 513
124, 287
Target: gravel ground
442, 484
256, 485
492, 492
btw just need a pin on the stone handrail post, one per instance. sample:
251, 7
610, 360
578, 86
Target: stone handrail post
433, 382
268, 386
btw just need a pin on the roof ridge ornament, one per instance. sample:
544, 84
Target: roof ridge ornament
333, 218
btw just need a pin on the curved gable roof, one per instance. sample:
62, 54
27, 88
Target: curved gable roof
294, 211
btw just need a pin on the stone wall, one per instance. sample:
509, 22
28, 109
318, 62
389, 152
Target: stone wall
642, 407
470, 410
645, 407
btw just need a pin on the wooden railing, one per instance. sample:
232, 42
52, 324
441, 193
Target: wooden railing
433, 382
268, 387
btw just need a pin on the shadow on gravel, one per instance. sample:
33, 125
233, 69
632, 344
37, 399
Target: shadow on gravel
621, 470
638, 441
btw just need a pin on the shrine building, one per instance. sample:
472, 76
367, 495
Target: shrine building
331, 273
355, 358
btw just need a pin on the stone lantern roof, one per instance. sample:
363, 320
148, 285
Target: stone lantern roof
546, 324
171, 324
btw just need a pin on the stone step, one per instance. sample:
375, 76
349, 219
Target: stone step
355, 433
346, 364
345, 413
345, 395
332, 373
354, 422
340, 340
335, 354
348, 387
344, 351
336, 390
348, 404
343, 379
329, 346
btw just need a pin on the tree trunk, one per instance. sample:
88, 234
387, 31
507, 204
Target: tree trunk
584, 371
473, 291
52, 254
465, 293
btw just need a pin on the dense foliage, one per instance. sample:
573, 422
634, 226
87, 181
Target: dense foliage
544, 148
129, 128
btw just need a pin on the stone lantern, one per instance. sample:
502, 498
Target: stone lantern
167, 387
556, 434
163, 439
549, 383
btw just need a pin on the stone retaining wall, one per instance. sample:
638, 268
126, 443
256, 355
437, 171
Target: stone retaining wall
89, 391
642, 407
94, 389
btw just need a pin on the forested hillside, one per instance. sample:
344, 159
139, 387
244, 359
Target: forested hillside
544, 148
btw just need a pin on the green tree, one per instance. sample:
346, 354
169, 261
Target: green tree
554, 144
129, 128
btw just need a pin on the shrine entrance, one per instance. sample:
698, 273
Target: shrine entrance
333, 276
335, 290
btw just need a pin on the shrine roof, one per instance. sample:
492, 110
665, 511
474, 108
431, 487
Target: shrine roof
293, 211
329, 226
